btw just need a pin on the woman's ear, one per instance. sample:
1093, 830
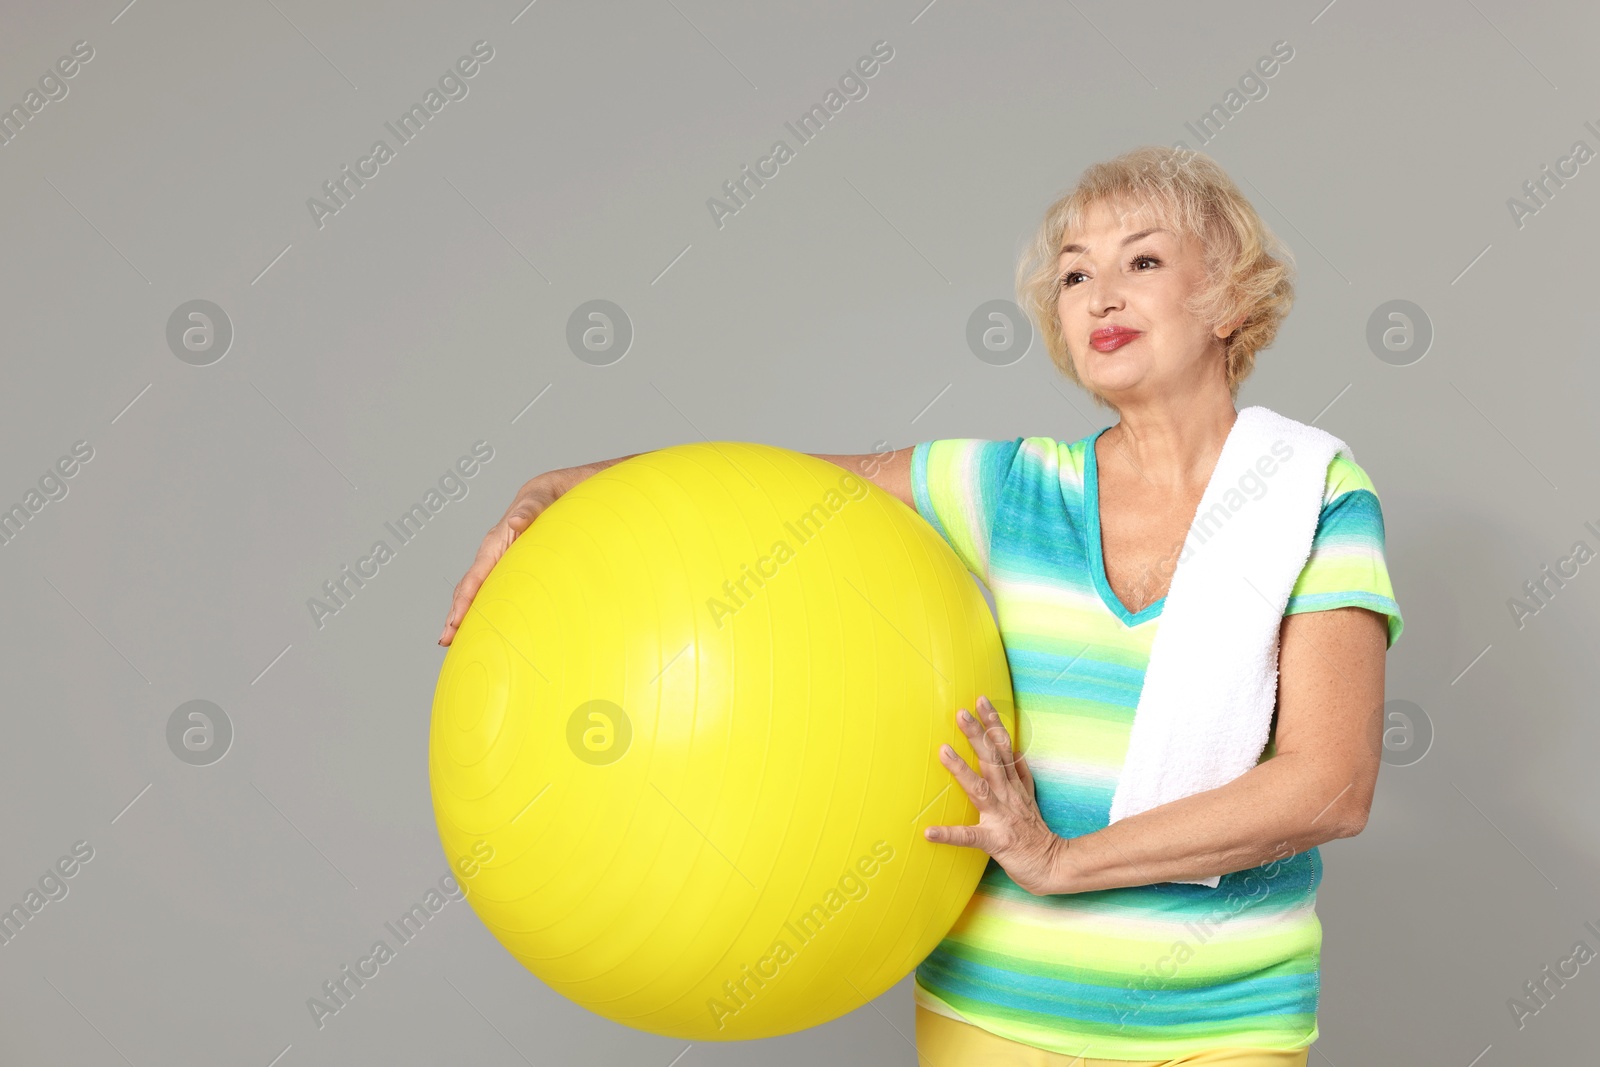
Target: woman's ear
1226, 330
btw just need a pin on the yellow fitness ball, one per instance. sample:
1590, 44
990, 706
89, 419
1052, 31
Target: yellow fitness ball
684, 744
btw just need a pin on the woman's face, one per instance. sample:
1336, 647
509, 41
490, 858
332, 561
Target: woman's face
1122, 284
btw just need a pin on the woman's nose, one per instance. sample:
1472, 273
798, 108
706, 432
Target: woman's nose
1104, 295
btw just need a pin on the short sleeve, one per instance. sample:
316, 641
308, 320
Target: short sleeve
956, 484
1346, 567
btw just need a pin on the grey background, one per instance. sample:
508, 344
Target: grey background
828, 315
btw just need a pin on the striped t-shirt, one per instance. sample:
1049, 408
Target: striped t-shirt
1144, 972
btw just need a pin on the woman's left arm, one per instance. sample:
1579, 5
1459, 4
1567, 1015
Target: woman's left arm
1317, 786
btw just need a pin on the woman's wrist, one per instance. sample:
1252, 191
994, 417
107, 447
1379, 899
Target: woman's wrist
1065, 871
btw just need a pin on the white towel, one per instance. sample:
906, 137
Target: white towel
1212, 680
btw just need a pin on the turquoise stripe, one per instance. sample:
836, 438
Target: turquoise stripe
919, 488
952, 973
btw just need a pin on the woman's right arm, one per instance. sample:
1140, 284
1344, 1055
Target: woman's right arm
889, 471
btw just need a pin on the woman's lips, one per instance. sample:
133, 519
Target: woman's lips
1110, 340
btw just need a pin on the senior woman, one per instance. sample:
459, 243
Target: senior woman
1154, 283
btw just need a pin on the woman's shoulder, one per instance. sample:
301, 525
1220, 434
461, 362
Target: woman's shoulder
1054, 459
1042, 444
1000, 461
1036, 447
1345, 475
1054, 447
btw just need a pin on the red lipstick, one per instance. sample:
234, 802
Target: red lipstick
1110, 338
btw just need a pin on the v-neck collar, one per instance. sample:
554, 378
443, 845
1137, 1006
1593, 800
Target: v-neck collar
1097, 559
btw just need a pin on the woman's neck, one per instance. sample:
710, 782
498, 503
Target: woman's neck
1173, 448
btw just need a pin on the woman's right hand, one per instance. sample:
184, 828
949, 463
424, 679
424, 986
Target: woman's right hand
532, 499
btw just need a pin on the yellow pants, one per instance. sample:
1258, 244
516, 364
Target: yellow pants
946, 1042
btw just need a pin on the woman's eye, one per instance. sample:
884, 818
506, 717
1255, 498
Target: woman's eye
1066, 280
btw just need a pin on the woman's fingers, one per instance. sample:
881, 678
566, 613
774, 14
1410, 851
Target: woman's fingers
1024, 775
977, 788
990, 740
489, 552
518, 517
976, 785
965, 836
1010, 827
1001, 772
999, 741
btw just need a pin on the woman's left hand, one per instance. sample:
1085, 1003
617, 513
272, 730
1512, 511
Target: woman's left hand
1010, 827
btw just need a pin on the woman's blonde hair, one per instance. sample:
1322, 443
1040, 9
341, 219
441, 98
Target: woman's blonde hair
1249, 271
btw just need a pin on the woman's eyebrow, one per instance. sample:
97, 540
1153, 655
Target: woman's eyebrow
1141, 235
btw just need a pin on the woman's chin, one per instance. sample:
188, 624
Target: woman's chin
1115, 380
